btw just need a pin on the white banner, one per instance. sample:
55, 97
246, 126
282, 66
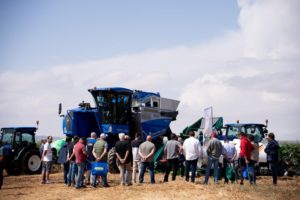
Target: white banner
208, 115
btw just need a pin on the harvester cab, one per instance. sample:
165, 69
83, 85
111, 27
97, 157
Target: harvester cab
24, 156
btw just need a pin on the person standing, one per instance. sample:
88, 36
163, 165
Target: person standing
172, 150
63, 158
136, 159
146, 151
123, 153
71, 160
46, 160
245, 153
253, 160
229, 154
181, 158
214, 151
192, 151
272, 155
5, 152
80, 160
90, 158
100, 150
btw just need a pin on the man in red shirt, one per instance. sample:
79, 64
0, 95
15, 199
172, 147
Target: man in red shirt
245, 153
80, 159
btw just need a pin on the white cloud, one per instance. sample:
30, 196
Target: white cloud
250, 74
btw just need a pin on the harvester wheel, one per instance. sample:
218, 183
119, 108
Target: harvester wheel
31, 162
112, 161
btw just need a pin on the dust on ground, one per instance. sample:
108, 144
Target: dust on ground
29, 187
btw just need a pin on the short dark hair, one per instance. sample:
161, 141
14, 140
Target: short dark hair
191, 133
271, 135
68, 139
173, 136
251, 137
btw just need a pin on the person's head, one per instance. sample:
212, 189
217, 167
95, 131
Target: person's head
191, 133
137, 136
122, 136
213, 134
103, 136
68, 139
251, 138
173, 136
180, 140
271, 136
241, 134
149, 138
93, 135
49, 139
75, 139
127, 137
82, 140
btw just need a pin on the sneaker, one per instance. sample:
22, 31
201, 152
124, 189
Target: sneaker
43, 182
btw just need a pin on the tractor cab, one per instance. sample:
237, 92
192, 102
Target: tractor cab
257, 130
24, 154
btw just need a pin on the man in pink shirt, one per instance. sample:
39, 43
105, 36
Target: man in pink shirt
80, 159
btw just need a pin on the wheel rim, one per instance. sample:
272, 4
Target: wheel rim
34, 163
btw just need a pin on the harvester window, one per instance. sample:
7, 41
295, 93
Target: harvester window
155, 104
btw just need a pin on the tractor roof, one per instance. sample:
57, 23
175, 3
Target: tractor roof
21, 129
246, 124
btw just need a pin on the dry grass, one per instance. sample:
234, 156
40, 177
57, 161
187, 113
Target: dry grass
29, 187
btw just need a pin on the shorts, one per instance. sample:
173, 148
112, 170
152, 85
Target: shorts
242, 162
46, 166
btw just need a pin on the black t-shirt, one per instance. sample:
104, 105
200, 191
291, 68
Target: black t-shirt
121, 148
136, 143
70, 150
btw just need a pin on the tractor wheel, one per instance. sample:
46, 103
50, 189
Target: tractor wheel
112, 161
31, 162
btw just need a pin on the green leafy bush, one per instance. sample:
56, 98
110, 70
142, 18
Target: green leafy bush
290, 154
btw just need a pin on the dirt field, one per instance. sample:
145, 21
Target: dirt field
29, 187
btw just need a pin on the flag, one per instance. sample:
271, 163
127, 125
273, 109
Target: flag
208, 116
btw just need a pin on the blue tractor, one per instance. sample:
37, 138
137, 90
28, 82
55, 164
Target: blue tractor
121, 110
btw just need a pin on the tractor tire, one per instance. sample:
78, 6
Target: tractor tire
112, 161
31, 162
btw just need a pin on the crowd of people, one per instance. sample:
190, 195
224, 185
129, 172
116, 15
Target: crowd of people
134, 157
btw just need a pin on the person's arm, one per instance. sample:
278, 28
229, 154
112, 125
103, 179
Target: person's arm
94, 153
104, 152
45, 151
141, 155
150, 154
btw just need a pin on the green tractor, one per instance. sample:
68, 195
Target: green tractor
24, 156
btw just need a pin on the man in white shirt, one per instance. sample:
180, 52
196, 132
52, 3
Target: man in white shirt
192, 151
46, 160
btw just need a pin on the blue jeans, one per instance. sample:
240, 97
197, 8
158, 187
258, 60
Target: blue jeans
274, 169
210, 161
79, 182
72, 172
190, 165
252, 175
66, 171
150, 166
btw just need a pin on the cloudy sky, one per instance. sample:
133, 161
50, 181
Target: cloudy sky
241, 57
